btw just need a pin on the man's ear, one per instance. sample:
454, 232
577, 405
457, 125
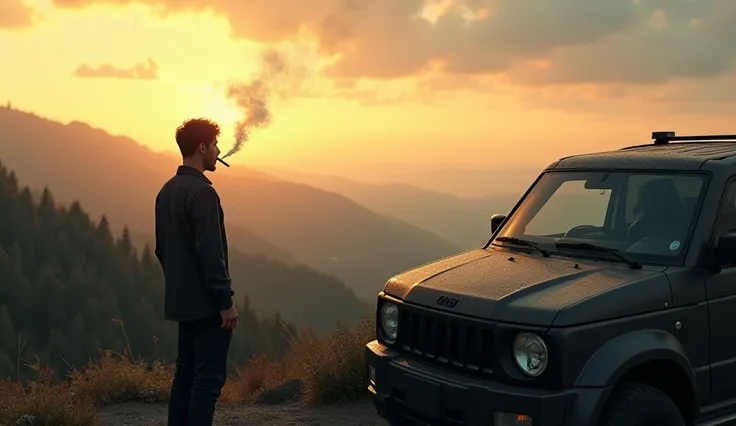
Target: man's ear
202, 148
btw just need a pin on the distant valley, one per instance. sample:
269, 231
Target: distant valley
463, 221
116, 176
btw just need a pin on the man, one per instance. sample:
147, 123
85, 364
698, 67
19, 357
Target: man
191, 247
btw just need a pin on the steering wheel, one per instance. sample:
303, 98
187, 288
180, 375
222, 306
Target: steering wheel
585, 231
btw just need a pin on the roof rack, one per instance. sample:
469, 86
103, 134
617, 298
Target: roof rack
663, 138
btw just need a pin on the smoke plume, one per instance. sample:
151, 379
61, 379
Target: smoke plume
252, 98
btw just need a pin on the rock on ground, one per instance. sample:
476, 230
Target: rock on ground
360, 413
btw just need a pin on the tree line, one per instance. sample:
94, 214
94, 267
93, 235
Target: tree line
70, 288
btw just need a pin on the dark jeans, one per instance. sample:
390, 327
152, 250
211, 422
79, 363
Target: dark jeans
201, 370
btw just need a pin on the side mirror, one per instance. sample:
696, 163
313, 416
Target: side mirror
725, 253
496, 221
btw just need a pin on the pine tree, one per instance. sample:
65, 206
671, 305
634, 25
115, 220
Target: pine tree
125, 244
103, 230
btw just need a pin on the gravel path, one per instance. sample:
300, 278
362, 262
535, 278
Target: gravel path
360, 413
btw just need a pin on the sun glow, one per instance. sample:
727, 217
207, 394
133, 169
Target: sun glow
222, 111
433, 10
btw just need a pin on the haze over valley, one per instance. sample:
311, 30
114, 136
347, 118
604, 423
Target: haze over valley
361, 244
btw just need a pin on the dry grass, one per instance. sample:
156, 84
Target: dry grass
74, 401
331, 368
260, 373
335, 365
111, 380
42, 403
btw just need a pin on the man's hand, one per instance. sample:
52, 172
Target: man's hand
229, 318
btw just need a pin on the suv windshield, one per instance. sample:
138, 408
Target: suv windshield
643, 216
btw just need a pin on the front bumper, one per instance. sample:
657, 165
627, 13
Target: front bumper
407, 391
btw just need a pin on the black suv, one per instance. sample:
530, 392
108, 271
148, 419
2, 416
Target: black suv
606, 297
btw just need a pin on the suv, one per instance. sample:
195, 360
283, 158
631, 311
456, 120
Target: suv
606, 297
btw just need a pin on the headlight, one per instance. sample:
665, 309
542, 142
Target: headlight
530, 354
390, 320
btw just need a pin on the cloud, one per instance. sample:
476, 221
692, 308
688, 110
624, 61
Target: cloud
15, 14
681, 39
711, 97
719, 91
637, 41
147, 70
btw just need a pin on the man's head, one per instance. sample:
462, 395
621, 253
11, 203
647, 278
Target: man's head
197, 140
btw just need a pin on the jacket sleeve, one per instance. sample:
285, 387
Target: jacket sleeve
209, 246
157, 248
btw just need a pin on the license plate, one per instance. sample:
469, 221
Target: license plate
423, 396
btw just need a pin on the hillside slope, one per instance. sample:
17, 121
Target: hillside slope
244, 240
299, 294
117, 176
463, 221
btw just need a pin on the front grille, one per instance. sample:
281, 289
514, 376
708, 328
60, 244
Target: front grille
458, 343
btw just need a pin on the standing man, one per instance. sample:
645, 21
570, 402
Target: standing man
191, 247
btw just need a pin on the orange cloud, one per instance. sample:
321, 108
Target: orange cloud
584, 40
15, 14
588, 55
141, 71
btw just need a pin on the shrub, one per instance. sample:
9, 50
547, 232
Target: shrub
42, 403
334, 364
330, 367
111, 380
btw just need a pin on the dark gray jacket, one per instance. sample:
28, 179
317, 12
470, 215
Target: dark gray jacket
191, 246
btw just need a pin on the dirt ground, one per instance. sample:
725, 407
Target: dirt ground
360, 413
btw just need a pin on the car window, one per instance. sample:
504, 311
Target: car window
648, 215
689, 190
726, 219
570, 205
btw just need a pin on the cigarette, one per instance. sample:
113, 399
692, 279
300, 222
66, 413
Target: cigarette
223, 162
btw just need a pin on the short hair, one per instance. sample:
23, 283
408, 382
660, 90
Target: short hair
193, 132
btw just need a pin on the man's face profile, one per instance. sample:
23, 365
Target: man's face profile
210, 151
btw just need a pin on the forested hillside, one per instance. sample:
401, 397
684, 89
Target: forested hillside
68, 288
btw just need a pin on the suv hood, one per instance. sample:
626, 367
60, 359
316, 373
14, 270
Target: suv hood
501, 285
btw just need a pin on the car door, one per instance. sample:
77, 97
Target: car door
721, 290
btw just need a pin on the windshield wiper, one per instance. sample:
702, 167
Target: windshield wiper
519, 241
587, 246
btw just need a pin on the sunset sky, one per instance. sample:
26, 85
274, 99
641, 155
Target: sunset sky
372, 81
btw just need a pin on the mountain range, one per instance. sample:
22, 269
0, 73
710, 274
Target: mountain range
462, 220
290, 222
